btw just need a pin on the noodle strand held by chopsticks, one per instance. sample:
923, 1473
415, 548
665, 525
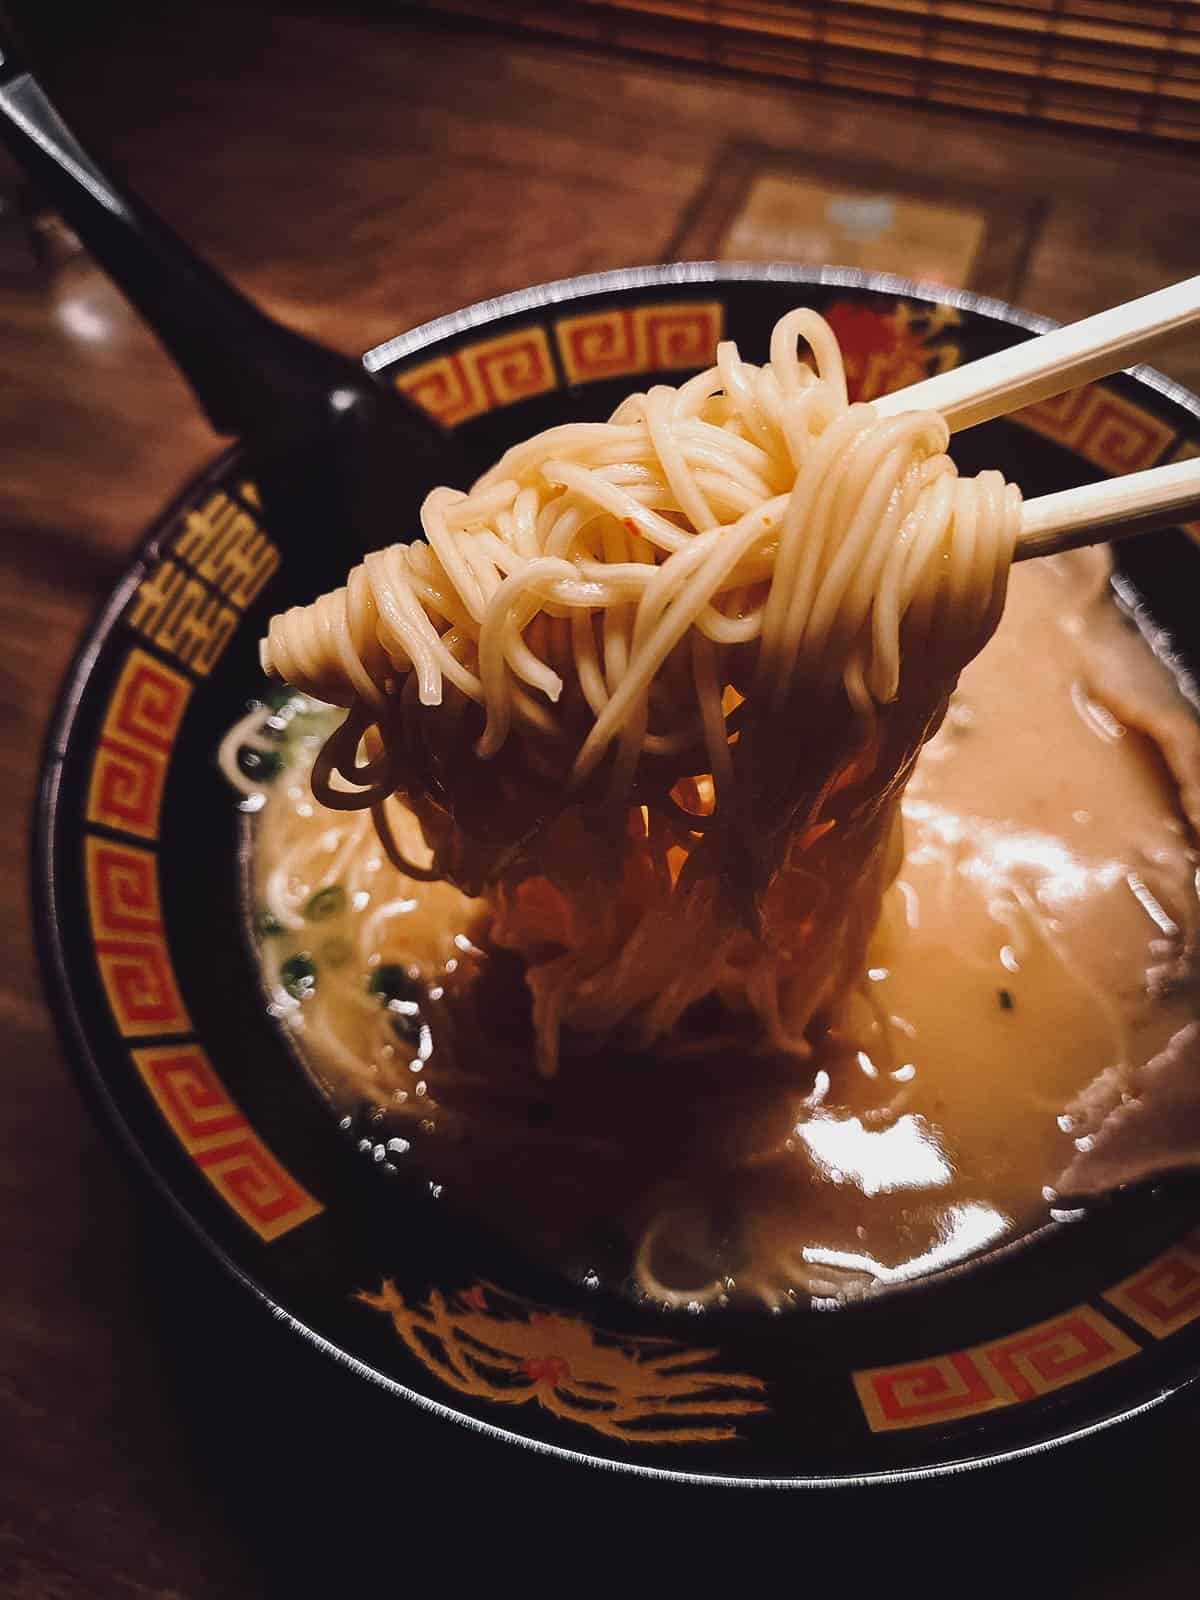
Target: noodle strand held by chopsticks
745, 581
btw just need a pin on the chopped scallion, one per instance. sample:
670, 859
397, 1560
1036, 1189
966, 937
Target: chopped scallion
325, 903
298, 974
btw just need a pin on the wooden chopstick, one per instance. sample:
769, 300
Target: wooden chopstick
1053, 362
1118, 508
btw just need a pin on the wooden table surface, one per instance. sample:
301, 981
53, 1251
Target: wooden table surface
357, 176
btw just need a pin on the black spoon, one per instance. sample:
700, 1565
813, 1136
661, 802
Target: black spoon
337, 454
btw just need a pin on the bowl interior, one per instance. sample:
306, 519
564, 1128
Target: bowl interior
142, 922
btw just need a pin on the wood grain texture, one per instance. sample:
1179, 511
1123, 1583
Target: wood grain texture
357, 175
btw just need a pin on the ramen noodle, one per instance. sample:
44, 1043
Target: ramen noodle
653, 687
666, 895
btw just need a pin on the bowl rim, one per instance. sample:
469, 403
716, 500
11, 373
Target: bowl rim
48, 924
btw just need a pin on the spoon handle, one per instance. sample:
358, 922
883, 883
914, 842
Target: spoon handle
232, 355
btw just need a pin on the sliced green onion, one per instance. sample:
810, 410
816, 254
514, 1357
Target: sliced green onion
298, 974
391, 982
326, 903
263, 766
403, 997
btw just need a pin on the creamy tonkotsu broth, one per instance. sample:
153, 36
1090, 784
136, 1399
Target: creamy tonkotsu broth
1040, 933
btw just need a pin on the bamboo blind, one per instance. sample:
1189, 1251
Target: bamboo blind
1129, 65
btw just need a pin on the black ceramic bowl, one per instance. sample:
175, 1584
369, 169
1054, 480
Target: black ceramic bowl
139, 906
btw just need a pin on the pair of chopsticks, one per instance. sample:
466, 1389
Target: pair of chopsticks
996, 385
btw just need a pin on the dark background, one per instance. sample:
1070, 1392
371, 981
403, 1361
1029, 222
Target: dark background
359, 170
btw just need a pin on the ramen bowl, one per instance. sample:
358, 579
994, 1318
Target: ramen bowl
140, 882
